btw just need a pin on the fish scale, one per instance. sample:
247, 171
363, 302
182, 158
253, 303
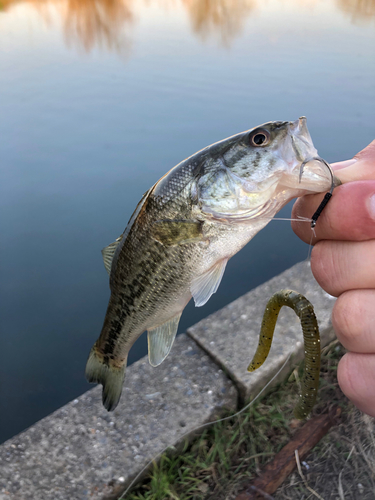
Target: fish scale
185, 229
152, 269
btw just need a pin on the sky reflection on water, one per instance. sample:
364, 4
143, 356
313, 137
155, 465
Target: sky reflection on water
97, 101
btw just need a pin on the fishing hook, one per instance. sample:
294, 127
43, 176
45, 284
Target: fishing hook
328, 196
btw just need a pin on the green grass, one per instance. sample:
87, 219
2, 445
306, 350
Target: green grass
217, 463
228, 454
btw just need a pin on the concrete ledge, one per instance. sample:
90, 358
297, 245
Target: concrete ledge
83, 452
230, 336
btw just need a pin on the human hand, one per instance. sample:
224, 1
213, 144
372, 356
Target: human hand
343, 263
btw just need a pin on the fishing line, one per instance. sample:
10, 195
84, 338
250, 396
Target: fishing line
305, 219
313, 235
206, 425
302, 219
299, 219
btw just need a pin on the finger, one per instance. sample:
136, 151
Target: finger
356, 377
353, 319
342, 164
339, 266
349, 215
362, 169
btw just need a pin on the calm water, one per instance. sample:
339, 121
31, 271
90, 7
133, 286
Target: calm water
98, 99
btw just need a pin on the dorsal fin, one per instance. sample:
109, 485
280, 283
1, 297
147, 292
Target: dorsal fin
205, 285
160, 340
108, 253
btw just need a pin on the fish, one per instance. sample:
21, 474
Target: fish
185, 229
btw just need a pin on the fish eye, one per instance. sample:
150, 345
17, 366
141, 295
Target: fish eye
259, 137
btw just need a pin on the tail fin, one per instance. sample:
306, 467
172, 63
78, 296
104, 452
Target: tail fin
111, 378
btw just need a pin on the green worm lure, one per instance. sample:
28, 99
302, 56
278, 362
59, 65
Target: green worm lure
305, 311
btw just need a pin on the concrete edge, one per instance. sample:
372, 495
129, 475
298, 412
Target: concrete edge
230, 336
82, 452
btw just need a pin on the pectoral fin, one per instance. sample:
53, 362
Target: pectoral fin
108, 253
177, 232
205, 285
160, 340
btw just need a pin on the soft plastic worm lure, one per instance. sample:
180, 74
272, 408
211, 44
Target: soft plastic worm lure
305, 311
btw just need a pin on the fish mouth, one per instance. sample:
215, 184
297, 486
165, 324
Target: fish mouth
302, 144
300, 127
307, 170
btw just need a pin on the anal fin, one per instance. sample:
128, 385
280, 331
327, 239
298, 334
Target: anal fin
160, 340
206, 284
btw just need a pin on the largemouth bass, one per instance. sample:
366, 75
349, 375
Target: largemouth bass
185, 229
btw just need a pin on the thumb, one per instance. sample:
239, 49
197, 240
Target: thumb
360, 168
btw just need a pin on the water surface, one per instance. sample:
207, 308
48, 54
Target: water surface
98, 99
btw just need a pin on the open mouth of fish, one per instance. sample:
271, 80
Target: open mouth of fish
306, 172
311, 169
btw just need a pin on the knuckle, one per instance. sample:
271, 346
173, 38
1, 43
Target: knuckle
324, 266
345, 376
345, 319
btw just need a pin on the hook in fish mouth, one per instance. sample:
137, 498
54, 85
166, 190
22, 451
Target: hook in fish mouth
335, 182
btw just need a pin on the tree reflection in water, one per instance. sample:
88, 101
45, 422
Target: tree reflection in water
359, 10
86, 23
106, 23
100, 23
223, 18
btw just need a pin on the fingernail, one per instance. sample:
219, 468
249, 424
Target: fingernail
343, 164
347, 171
371, 206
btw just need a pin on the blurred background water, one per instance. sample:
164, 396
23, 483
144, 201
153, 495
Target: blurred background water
98, 99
